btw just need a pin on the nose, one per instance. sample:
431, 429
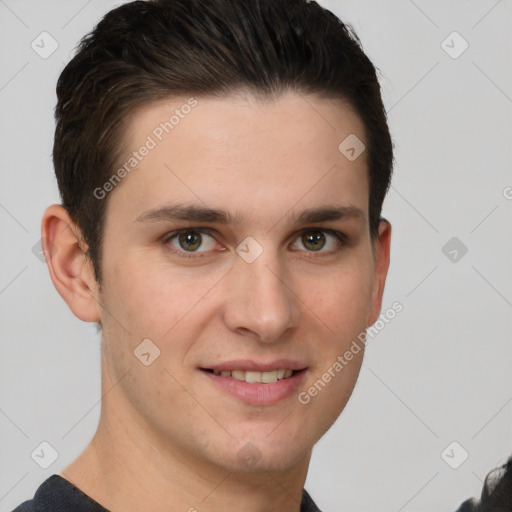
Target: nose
260, 300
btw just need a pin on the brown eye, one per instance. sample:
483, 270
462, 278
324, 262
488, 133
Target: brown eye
319, 240
313, 240
190, 240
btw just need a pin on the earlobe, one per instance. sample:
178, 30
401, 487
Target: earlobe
382, 246
70, 269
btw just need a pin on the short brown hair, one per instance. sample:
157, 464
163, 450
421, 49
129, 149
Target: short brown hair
145, 51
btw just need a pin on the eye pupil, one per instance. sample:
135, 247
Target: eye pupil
314, 240
190, 240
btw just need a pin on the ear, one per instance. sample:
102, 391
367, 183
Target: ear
70, 269
382, 245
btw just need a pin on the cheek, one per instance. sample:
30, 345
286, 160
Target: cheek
343, 306
145, 300
150, 300
343, 300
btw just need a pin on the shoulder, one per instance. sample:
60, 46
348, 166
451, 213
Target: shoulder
307, 504
26, 506
58, 494
39, 503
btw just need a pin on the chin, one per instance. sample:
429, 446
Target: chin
262, 456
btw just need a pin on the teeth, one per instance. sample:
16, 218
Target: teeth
256, 377
252, 376
269, 377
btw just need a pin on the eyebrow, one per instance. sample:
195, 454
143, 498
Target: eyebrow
171, 213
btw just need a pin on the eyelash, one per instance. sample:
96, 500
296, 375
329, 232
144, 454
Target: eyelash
341, 237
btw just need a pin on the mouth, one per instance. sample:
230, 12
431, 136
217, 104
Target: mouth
257, 384
253, 377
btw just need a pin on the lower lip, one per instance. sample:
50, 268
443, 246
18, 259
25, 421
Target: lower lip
257, 393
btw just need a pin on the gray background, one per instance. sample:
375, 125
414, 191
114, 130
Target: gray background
437, 373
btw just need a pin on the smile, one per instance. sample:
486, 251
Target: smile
257, 384
256, 377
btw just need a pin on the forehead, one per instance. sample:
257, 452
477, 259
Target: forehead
243, 153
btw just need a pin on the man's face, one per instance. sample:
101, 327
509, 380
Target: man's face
263, 290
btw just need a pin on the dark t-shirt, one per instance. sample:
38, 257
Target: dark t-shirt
57, 494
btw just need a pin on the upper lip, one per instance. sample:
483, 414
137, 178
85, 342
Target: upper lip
254, 366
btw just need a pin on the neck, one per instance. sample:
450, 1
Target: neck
127, 468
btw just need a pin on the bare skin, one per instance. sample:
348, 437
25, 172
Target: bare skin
170, 437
